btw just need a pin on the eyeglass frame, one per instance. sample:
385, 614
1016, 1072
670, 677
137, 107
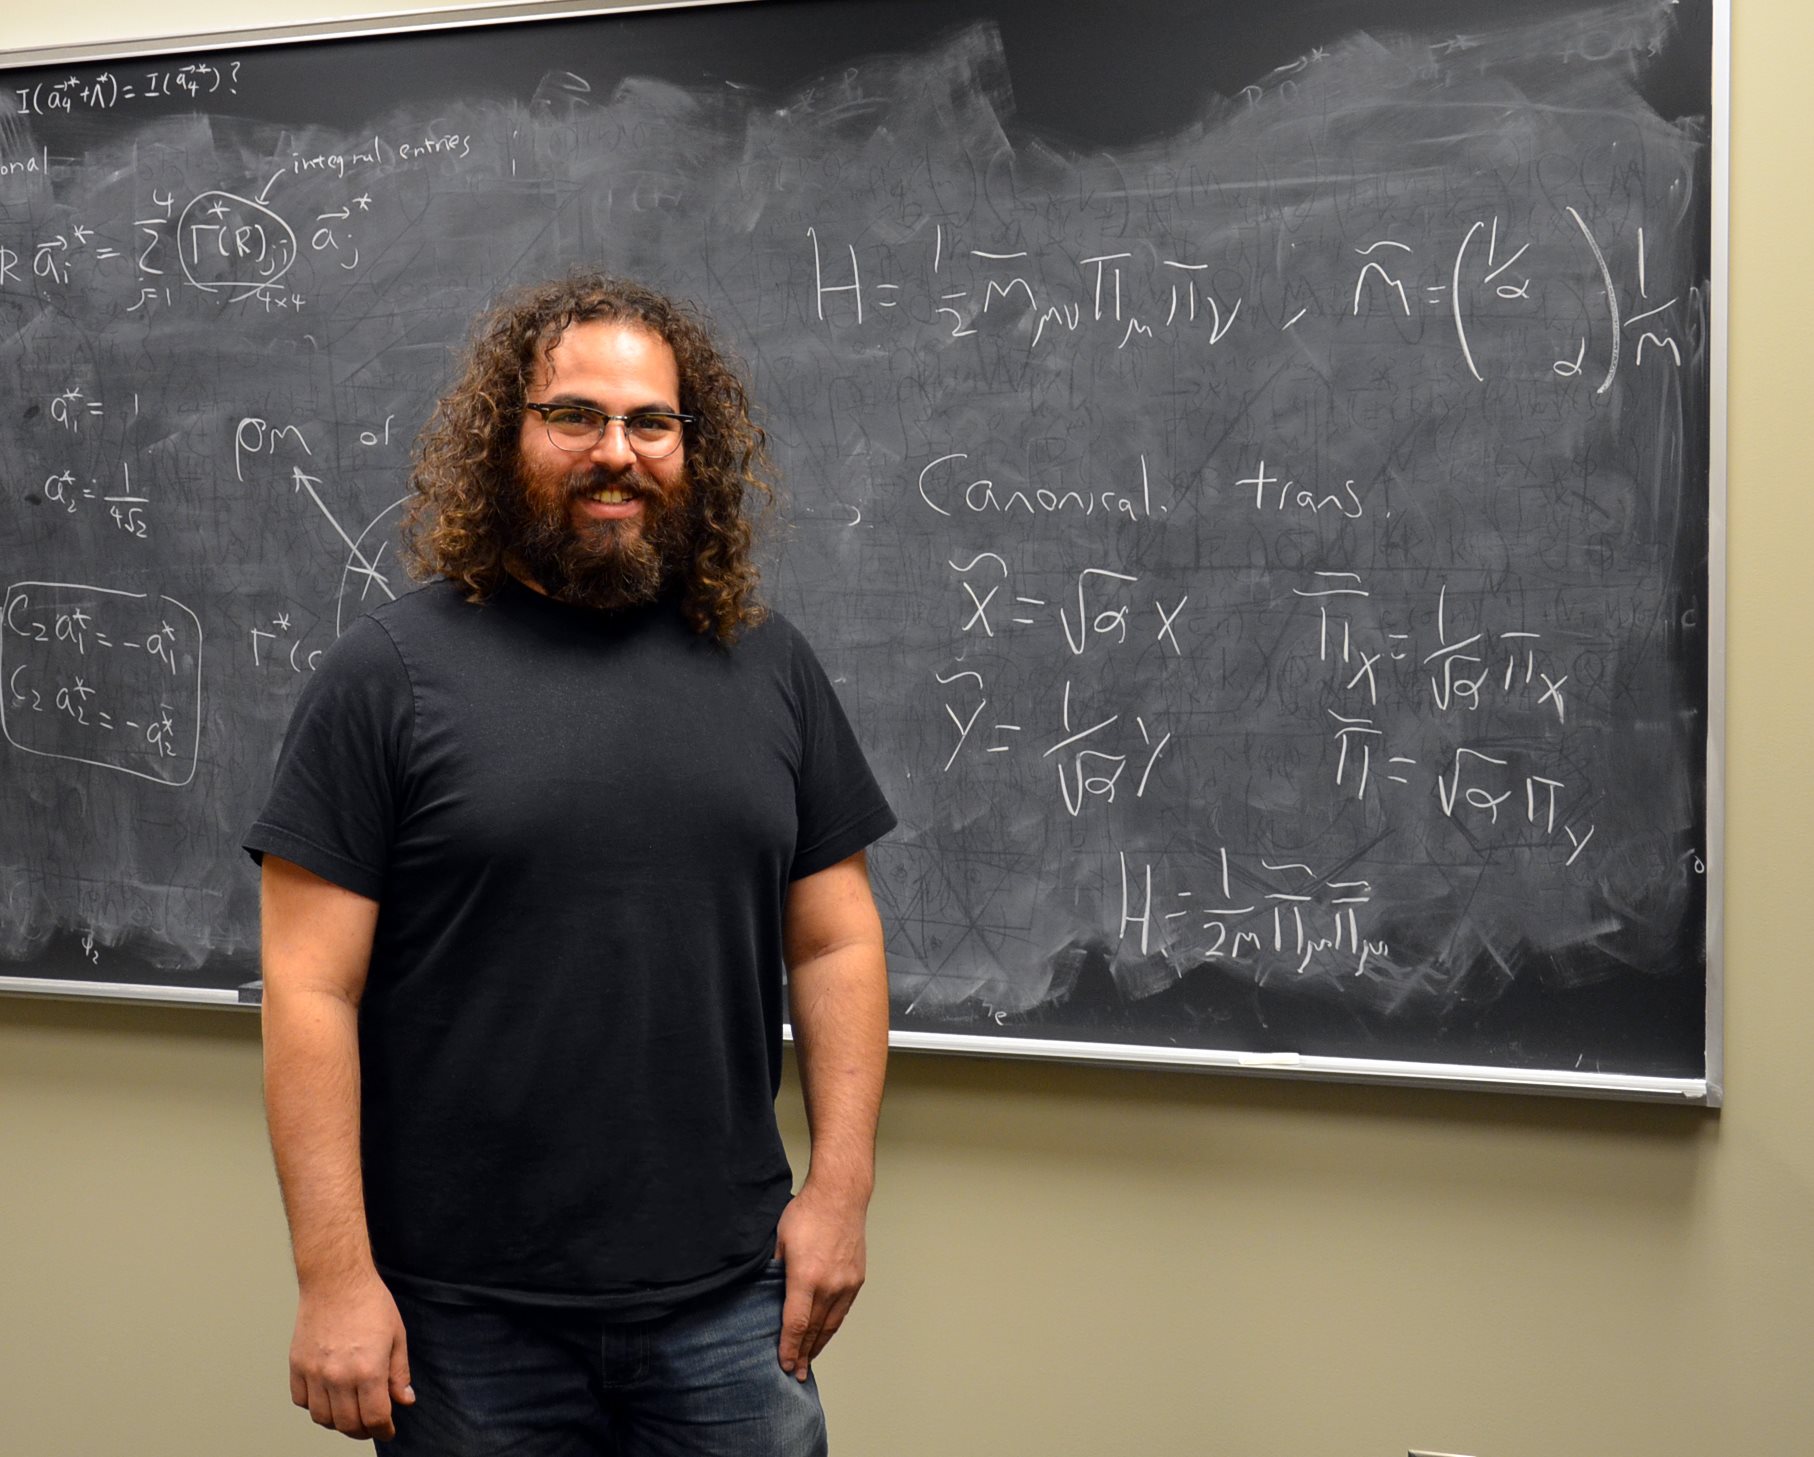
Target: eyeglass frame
605, 417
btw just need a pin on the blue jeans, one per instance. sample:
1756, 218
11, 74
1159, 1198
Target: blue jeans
704, 1382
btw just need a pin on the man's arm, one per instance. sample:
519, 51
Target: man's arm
838, 991
348, 1361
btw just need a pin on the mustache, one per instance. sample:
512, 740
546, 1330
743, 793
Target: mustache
587, 479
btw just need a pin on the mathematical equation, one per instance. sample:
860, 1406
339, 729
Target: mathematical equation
106, 90
1258, 911
1106, 610
103, 677
1478, 288
82, 412
221, 244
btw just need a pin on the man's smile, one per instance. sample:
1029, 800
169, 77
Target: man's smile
610, 503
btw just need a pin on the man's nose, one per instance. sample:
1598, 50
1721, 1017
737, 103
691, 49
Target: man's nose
612, 449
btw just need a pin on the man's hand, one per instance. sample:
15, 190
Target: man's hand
821, 1240
348, 1361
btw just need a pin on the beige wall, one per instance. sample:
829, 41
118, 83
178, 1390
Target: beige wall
1076, 1261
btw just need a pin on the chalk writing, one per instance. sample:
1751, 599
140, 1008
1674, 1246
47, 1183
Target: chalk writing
102, 677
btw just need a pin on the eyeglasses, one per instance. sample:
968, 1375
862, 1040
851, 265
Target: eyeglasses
652, 434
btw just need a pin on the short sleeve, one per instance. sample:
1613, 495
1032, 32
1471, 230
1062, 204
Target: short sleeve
840, 806
336, 791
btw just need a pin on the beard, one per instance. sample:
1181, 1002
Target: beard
604, 565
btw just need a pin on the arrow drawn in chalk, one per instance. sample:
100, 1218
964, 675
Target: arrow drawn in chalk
306, 482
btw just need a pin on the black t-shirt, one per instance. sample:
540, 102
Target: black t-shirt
580, 829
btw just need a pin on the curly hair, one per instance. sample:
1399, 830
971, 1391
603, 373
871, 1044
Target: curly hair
465, 460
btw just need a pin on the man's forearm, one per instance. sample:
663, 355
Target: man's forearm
840, 1021
311, 1041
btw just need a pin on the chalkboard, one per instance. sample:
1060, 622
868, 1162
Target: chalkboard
1250, 472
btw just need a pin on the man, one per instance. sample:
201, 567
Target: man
541, 837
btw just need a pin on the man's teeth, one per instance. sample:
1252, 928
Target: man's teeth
611, 496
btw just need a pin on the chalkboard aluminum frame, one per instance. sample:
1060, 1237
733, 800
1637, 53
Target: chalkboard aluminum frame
1707, 1090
